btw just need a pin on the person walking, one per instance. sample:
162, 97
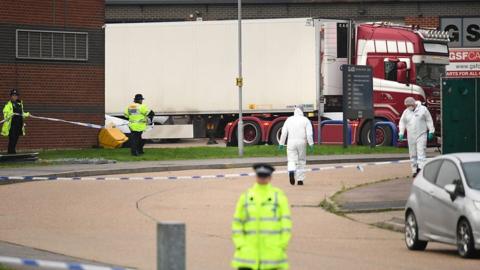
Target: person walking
261, 228
14, 125
298, 130
137, 114
417, 121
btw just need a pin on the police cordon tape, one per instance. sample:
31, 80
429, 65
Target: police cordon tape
57, 120
3, 121
54, 264
69, 122
359, 167
72, 122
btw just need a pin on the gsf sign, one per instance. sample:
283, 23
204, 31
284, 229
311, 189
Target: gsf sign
464, 32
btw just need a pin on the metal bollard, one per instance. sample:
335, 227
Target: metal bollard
171, 246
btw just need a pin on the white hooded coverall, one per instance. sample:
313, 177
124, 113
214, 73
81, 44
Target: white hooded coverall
299, 131
417, 122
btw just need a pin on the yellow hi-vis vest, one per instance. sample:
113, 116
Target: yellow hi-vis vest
8, 114
261, 229
137, 116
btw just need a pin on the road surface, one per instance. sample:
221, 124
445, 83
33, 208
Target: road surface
114, 221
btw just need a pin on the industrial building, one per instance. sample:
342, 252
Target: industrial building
426, 13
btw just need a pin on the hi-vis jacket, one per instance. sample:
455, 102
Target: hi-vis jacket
137, 116
261, 229
8, 115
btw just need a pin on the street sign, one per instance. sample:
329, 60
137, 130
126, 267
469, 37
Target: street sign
357, 92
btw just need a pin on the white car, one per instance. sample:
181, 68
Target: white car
444, 204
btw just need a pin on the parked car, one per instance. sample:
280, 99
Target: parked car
444, 204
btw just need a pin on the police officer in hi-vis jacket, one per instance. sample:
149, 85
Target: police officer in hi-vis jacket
261, 225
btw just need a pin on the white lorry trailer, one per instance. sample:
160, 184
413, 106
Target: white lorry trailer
186, 72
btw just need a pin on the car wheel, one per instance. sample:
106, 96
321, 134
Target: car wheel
465, 241
411, 233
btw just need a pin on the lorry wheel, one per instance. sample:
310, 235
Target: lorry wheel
383, 135
276, 132
252, 133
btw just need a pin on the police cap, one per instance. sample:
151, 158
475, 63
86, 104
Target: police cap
138, 97
14, 92
263, 169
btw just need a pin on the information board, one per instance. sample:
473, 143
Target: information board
357, 92
464, 63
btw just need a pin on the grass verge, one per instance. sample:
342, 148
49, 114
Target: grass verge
3, 267
186, 153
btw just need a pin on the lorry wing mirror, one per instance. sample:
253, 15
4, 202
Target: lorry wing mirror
402, 72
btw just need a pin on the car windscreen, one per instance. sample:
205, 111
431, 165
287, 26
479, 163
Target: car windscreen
472, 173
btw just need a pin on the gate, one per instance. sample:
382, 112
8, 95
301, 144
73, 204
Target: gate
460, 115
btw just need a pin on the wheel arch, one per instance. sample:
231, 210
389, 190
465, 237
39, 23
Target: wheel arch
463, 217
409, 210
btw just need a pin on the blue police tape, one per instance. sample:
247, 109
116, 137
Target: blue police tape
359, 167
54, 264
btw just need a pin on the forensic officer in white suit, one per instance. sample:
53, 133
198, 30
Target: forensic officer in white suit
416, 119
298, 130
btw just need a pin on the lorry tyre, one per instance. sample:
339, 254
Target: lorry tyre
276, 132
252, 134
383, 134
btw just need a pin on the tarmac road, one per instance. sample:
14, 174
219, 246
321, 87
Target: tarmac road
114, 221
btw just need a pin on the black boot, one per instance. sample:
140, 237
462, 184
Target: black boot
300, 183
416, 173
292, 178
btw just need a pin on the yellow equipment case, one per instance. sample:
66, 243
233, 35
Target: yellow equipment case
111, 138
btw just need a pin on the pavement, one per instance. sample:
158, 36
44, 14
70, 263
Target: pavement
78, 170
380, 204
381, 196
115, 221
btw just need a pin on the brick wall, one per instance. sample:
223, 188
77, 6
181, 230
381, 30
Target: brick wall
69, 13
70, 90
430, 22
368, 10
